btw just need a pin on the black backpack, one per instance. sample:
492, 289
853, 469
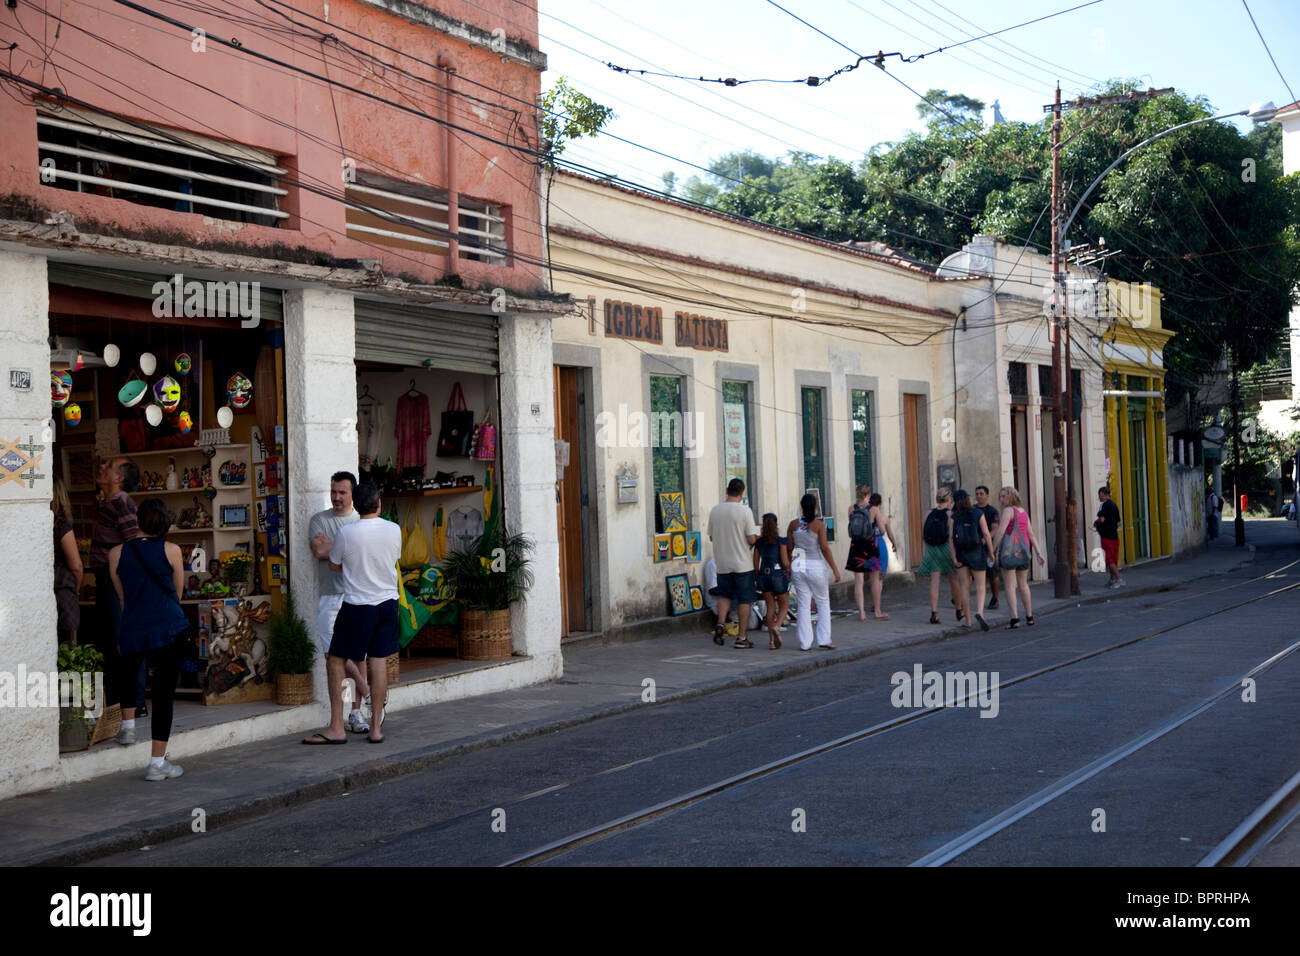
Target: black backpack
936, 527
966, 530
859, 525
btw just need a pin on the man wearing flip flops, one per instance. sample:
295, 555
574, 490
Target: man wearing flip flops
366, 554
732, 531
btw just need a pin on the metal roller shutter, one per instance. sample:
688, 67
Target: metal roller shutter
411, 335
140, 285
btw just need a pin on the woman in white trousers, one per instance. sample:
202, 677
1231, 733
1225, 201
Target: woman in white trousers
812, 564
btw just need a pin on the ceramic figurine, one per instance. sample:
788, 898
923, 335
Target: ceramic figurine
173, 479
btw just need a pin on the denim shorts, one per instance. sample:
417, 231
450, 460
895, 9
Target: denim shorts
738, 587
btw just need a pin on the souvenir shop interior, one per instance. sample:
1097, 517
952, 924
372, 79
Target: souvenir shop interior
197, 404
428, 438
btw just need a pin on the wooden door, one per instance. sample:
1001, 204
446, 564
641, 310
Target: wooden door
912, 477
568, 503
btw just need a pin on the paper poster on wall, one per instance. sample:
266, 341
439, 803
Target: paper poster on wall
272, 473
272, 524
259, 480
261, 515
258, 443
737, 451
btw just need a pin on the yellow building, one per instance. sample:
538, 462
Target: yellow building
1133, 356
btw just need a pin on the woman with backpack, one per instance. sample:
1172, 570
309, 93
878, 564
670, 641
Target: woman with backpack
811, 561
772, 568
1013, 545
937, 560
864, 552
971, 546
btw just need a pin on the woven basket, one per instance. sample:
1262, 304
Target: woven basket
485, 635
109, 723
394, 669
291, 690
436, 636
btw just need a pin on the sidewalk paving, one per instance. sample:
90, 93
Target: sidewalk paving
119, 812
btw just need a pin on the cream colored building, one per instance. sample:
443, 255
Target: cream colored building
793, 362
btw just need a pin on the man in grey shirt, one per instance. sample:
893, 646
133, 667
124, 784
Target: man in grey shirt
732, 531
322, 531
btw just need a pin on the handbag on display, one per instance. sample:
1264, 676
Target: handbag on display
415, 546
485, 439
457, 431
1013, 552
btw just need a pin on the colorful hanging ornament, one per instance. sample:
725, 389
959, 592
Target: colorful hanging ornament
60, 388
183, 364
148, 363
112, 355
72, 415
184, 423
167, 393
239, 391
131, 393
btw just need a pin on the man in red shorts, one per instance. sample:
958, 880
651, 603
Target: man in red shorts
1107, 525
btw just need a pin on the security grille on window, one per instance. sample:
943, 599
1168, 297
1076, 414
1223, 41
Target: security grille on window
95, 153
1018, 382
414, 217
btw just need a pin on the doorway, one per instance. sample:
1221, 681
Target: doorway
571, 501
912, 412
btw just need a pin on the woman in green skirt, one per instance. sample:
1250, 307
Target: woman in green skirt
937, 559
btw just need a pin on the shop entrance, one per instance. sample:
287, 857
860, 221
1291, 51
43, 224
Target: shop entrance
571, 500
912, 469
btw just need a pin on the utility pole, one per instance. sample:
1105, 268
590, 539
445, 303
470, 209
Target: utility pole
1238, 523
1064, 552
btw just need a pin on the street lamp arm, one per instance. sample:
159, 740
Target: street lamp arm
1123, 156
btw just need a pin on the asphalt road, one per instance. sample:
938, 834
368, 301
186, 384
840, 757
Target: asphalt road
893, 796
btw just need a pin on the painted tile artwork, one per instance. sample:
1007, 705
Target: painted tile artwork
694, 551
672, 509
679, 594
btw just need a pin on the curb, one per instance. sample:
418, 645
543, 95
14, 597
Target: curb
332, 783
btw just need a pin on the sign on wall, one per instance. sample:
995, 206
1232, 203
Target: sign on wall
701, 332
626, 320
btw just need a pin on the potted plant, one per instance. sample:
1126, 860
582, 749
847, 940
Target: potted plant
289, 656
487, 579
235, 566
74, 724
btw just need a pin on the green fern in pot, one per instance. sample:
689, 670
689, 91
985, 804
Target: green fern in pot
493, 574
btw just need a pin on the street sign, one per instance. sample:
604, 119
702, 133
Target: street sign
1214, 433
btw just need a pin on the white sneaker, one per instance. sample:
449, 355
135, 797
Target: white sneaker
125, 736
356, 723
164, 772
369, 711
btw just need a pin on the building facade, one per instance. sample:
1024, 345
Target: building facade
251, 248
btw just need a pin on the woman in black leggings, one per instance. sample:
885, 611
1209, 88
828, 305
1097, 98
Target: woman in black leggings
148, 575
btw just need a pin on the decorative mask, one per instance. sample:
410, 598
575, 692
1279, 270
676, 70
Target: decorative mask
225, 416
112, 355
167, 392
239, 391
153, 415
60, 388
148, 362
184, 423
72, 415
183, 363
131, 393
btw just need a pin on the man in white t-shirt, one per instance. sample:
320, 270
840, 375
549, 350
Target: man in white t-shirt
322, 531
365, 553
732, 531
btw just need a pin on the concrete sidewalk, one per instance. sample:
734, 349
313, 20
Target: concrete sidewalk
119, 812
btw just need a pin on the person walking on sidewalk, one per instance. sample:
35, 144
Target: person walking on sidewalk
878, 527
115, 522
366, 554
321, 532
1107, 525
1013, 544
148, 575
991, 518
1213, 507
731, 529
937, 559
864, 553
772, 565
971, 546
811, 562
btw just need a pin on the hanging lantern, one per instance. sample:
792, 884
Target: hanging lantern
225, 416
60, 388
183, 363
167, 393
72, 415
239, 391
148, 362
153, 415
112, 355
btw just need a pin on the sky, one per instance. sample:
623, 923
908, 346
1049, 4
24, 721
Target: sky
1200, 47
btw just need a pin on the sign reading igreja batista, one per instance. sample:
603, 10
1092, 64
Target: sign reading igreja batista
626, 320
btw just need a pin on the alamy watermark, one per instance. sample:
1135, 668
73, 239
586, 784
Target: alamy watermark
630, 429
951, 689
34, 689
178, 298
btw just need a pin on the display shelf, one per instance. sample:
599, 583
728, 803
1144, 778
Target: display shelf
232, 527
435, 491
184, 491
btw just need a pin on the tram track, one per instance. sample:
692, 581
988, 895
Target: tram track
955, 848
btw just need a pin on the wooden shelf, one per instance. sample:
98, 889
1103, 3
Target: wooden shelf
178, 491
435, 491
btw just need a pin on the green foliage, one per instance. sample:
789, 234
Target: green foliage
568, 114
493, 573
289, 645
80, 659
940, 107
